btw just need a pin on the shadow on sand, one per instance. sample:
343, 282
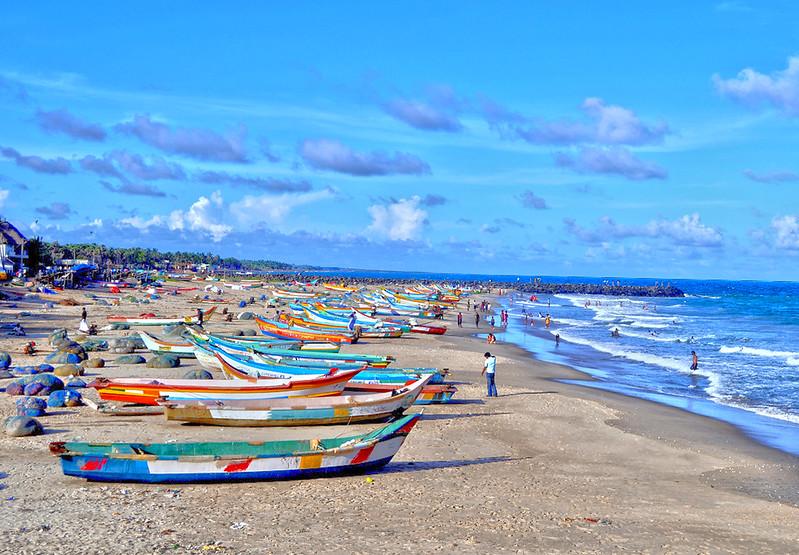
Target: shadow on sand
436, 465
453, 415
531, 393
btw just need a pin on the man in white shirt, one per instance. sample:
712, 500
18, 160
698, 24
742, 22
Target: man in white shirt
489, 369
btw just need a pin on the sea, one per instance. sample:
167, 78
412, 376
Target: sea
745, 335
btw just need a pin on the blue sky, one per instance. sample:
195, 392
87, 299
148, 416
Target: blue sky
632, 139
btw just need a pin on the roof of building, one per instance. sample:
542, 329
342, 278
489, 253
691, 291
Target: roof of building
10, 235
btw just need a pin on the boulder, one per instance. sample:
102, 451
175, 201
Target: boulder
69, 370
40, 384
249, 332
93, 345
31, 406
130, 359
5, 360
198, 375
163, 361
45, 368
15, 388
93, 363
120, 326
135, 341
25, 370
21, 426
64, 398
245, 316
76, 383
5, 375
123, 345
61, 357
56, 335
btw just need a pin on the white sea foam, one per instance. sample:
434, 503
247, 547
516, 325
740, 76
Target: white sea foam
664, 362
758, 352
793, 361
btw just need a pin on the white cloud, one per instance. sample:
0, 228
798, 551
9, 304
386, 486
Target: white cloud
274, 208
787, 230
204, 215
141, 224
780, 89
401, 220
689, 230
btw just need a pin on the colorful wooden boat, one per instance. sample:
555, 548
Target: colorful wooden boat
279, 329
261, 341
366, 332
240, 368
145, 391
233, 461
152, 320
431, 393
305, 411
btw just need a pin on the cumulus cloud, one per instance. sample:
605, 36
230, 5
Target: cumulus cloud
531, 200
772, 177
603, 124
62, 121
266, 150
137, 189
433, 200
4, 193
154, 168
204, 215
101, 166
786, 230
140, 223
685, 230
255, 209
56, 210
38, 164
331, 155
202, 144
401, 220
614, 161
422, 115
779, 90
263, 183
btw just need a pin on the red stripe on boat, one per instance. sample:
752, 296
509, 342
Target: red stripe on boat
238, 466
363, 455
94, 465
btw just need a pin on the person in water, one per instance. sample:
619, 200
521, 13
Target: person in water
694, 361
615, 333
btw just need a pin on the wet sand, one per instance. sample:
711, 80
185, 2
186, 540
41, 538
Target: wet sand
545, 468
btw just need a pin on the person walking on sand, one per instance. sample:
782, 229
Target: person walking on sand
460, 319
694, 361
200, 317
490, 369
477, 319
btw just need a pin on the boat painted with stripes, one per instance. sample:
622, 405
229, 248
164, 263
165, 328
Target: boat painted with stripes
304, 411
152, 320
170, 463
432, 394
145, 391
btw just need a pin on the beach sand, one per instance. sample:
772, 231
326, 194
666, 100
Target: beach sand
545, 468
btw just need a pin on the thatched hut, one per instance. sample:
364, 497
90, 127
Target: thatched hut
12, 249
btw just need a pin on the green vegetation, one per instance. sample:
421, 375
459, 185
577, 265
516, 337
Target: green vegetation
42, 254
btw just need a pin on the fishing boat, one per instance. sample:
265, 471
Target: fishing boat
366, 332
432, 394
260, 341
233, 461
145, 391
160, 346
286, 331
153, 320
306, 411
283, 294
240, 368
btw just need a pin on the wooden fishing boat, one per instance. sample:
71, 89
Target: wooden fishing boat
283, 294
339, 288
305, 411
279, 329
261, 341
371, 333
152, 320
432, 394
145, 391
233, 461
240, 368
160, 346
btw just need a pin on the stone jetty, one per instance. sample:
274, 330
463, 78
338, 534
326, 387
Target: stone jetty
539, 288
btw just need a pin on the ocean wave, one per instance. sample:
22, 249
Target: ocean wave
669, 363
570, 322
792, 361
758, 352
624, 330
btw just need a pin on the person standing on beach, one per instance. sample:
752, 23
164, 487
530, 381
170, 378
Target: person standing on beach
200, 317
490, 369
694, 361
83, 314
460, 319
468, 305
477, 319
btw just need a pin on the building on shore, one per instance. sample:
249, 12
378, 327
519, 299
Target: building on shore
12, 250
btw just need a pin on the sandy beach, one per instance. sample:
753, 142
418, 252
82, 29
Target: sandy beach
545, 468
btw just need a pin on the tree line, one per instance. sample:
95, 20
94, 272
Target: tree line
43, 254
